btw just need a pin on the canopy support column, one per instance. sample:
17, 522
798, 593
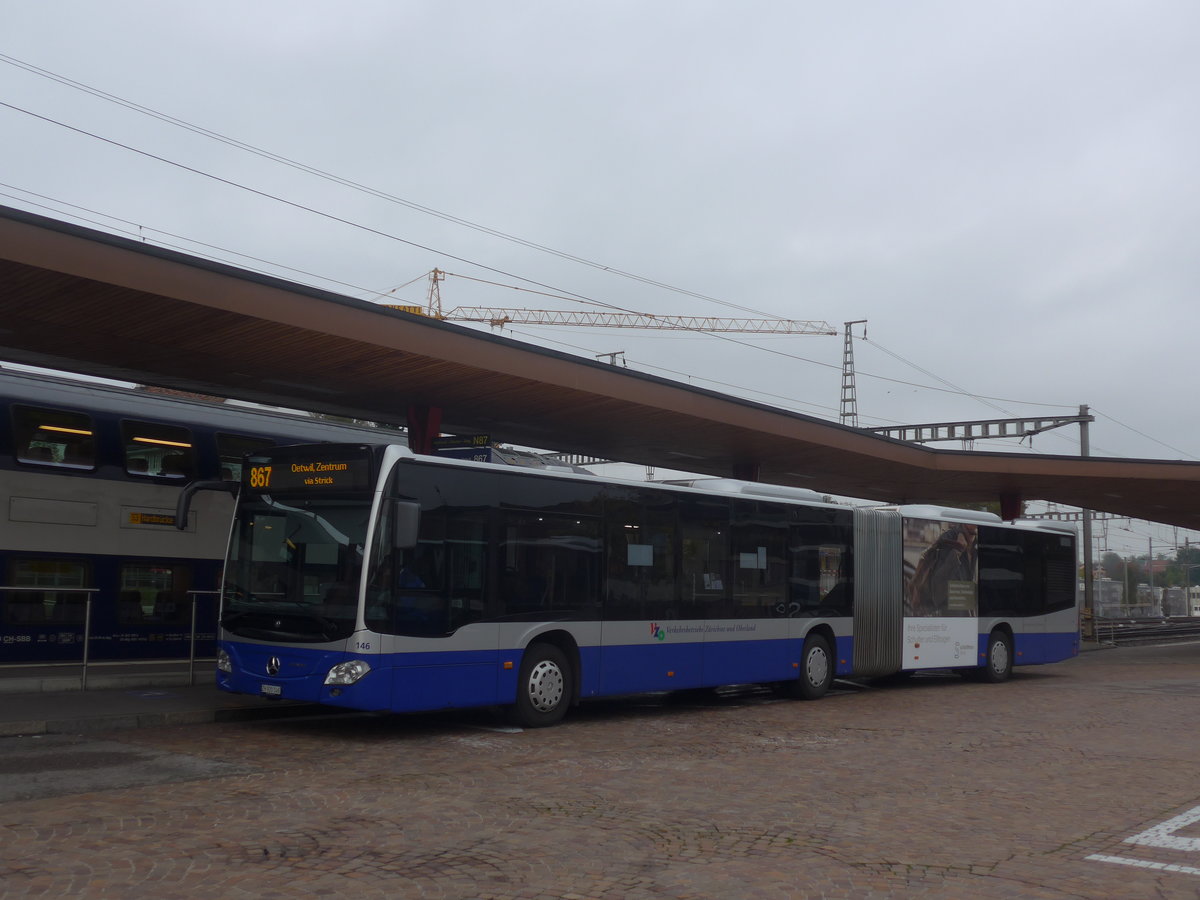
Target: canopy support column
1011, 505
746, 471
424, 424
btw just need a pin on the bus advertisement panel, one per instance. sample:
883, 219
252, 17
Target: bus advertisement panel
941, 593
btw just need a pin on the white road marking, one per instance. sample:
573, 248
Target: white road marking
1161, 836
1145, 864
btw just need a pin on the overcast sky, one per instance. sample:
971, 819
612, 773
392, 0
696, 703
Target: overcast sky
1007, 192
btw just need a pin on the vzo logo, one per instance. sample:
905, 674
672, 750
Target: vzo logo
657, 632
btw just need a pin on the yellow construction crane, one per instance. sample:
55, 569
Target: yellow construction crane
498, 317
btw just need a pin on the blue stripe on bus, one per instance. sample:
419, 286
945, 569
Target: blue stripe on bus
1036, 649
410, 682
674, 666
751, 662
407, 682
845, 655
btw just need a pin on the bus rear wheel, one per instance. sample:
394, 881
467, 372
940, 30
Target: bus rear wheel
816, 670
543, 687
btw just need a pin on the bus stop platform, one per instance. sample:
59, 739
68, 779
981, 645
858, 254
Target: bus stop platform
59, 699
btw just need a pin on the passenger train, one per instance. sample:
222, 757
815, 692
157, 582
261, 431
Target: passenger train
90, 475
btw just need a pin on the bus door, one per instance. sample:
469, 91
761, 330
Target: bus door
650, 641
424, 598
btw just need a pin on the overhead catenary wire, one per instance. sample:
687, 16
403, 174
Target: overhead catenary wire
278, 199
985, 400
326, 215
137, 231
1115, 421
695, 378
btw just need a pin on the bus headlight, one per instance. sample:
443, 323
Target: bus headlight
348, 672
224, 663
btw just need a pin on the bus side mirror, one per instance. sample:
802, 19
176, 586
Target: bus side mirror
184, 503
406, 518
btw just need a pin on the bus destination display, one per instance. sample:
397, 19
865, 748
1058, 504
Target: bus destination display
301, 474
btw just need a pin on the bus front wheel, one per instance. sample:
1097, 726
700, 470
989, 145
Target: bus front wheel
999, 661
543, 688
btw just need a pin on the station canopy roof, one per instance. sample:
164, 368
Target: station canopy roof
96, 304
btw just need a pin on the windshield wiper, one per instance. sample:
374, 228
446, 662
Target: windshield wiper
232, 618
329, 628
273, 624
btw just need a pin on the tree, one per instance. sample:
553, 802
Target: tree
1180, 572
1113, 566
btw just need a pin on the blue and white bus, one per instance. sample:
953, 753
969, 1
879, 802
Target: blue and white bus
367, 577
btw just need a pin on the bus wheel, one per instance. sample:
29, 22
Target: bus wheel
998, 665
544, 687
816, 670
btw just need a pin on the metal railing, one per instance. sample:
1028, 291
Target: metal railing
89, 593
195, 595
1129, 631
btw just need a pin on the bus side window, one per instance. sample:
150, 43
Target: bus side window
643, 537
550, 564
759, 559
821, 580
705, 589
1002, 573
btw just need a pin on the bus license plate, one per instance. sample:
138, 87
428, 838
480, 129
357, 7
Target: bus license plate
272, 690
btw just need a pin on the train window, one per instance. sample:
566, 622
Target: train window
47, 592
153, 595
161, 450
53, 437
232, 447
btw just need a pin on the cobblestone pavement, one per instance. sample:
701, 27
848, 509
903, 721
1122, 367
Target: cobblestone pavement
930, 788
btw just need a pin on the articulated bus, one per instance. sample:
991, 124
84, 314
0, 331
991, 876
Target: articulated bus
367, 577
90, 475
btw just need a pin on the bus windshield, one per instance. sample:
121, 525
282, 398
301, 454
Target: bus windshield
294, 568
